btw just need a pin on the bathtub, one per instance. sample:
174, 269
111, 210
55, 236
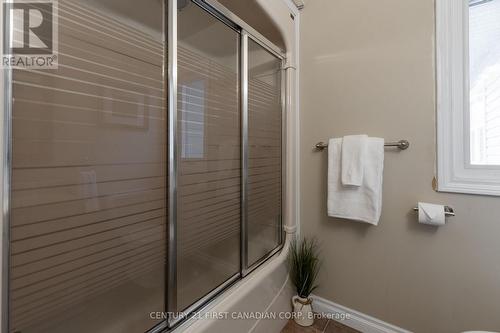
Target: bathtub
267, 290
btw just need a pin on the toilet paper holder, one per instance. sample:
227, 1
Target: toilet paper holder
448, 211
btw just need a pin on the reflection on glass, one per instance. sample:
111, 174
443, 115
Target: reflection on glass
193, 124
264, 152
88, 179
484, 54
208, 214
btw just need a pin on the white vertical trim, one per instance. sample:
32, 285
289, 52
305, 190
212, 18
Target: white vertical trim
449, 57
296, 119
293, 126
454, 171
292, 205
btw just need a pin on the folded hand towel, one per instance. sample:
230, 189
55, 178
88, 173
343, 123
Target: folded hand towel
361, 203
353, 158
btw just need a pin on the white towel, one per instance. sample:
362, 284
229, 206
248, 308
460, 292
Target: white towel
363, 203
353, 158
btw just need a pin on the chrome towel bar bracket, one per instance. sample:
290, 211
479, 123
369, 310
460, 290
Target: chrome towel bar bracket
401, 144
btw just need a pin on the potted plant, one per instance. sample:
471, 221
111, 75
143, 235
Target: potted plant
304, 267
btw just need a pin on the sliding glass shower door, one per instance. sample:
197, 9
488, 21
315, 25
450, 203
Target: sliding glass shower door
142, 181
87, 217
208, 150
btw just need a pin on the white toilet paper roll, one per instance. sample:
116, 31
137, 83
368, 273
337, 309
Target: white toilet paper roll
431, 214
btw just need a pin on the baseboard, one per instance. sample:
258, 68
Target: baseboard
356, 320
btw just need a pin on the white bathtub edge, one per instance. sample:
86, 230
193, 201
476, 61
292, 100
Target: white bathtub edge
265, 289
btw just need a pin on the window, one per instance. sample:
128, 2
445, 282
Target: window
468, 96
484, 80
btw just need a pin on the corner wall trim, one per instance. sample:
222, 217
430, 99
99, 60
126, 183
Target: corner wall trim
357, 320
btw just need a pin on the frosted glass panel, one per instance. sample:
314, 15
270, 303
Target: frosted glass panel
88, 175
264, 152
209, 185
484, 34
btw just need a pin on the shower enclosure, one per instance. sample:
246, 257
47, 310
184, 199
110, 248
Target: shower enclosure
145, 174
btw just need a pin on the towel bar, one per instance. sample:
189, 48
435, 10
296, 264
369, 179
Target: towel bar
401, 144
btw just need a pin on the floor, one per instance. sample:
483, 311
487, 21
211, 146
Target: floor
319, 326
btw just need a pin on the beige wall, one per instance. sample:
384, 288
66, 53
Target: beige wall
368, 67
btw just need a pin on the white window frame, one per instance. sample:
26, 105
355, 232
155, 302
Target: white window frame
455, 172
